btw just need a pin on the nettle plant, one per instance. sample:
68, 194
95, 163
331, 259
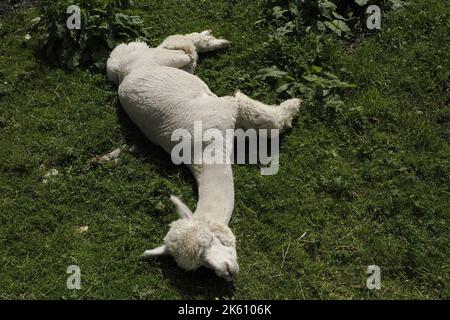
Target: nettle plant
313, 83
340, 17
305, 70
299, 65
103, 25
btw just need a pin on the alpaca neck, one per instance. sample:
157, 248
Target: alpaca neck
216, 192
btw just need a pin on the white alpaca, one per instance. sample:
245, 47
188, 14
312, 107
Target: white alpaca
159, 92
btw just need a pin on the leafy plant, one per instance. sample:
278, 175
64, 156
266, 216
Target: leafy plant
301, 68
103, 25
336, 16
314, 86
313, 81
310, 73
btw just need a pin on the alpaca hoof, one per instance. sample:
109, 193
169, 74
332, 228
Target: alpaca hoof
207, 32
292, 104
227, 43
237, 93
289, 110
222, 43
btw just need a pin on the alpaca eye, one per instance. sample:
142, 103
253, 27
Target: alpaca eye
215, 239
223, 243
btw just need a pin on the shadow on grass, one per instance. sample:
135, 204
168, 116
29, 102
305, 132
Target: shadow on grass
149, 152
201, 282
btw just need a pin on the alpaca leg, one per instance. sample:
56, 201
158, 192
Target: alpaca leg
180, 42
257, 115
205, 41
195, 42
175, 59
192, 44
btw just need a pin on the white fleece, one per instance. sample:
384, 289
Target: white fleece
160, 93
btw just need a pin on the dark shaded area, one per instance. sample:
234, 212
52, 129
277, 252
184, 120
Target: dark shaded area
202, 281
8, 6
149, 152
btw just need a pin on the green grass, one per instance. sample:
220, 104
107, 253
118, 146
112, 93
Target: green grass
368, 185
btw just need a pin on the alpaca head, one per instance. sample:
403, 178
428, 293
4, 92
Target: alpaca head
195, 241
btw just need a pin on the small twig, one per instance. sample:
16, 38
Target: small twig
302, 236
285, 253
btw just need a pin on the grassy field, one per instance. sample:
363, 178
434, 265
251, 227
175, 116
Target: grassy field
369, 184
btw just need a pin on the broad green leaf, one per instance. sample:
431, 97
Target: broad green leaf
283, 88
273, 72
361, 2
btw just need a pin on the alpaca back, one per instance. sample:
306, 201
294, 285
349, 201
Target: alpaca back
137, 55
161, 100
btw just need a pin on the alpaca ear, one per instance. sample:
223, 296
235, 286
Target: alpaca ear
182, 209
159, 251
